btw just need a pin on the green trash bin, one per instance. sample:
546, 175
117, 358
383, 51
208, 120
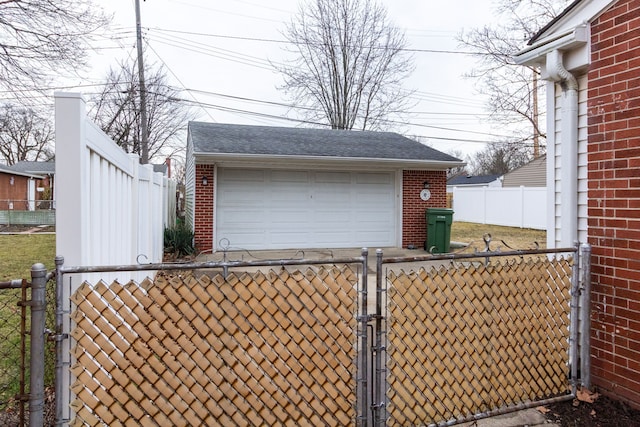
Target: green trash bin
438, 230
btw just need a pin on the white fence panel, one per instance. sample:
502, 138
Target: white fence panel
524, 207
110, 209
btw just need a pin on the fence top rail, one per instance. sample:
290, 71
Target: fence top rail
206, 265
463, 256
13, 284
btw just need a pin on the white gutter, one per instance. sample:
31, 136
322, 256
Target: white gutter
568, 148
568, 40
262, 160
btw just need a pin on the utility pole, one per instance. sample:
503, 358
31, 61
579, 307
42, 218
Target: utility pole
144, 155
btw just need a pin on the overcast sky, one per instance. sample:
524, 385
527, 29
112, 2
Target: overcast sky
203, 45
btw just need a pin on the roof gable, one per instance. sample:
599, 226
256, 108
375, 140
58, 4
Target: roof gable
243, 140
567, 32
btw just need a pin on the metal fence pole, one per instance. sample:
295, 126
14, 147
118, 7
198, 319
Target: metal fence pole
38, 305
60, 337
378, 395
585, 316
573, 322
363, 351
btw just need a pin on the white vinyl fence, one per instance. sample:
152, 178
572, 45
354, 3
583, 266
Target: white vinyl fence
524, 207
110, 209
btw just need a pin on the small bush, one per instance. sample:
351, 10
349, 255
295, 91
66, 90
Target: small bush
179, 240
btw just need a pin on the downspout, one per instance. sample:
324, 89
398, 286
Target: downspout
568, 148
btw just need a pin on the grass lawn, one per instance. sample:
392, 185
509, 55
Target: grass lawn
18, 252
516, 238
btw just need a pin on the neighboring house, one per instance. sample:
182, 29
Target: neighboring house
468, 181
533, 174
44, 190
589, 57
259, 187
22, 188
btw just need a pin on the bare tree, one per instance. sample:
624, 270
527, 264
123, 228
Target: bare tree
116, 110
458, 170
25, 135
348, 64
39, 38
499, 158
513, 90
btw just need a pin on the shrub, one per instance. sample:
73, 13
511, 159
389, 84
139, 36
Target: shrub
179, 240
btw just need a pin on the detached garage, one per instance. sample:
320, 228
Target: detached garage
258, 187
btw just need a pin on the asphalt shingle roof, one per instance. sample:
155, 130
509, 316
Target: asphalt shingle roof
217, 138
471, 180
34, 167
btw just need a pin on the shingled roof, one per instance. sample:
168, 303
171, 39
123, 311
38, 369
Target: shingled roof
48, 167
217, 138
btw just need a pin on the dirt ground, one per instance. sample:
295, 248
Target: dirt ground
603, 412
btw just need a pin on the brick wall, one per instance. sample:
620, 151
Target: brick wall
15, 193
614, 199
203, 221
414, 227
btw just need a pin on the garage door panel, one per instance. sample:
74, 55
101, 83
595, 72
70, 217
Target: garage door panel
333, 177
333, 239
236, 217
339, 197
333, 217
297, 177
242, 239
371, 238
305, 209
368, 178
243, 175
286, 238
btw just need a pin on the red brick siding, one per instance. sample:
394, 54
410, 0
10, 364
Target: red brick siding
414, 226
614, 199
203, 227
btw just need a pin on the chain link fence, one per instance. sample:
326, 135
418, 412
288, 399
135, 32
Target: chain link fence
15, 351
438, 340
467, 340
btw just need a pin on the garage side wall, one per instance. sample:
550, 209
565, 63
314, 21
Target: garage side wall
414, 225
203, 217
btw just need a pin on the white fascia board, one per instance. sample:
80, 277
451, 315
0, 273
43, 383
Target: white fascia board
25, 174
536, 54
319, 162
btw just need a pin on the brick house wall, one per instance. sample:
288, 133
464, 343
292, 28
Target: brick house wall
413, 207
614, 199
203, 218
414, 222
13, 192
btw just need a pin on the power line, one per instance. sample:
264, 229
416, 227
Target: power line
266, 40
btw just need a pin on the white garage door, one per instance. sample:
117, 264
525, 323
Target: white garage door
285, 209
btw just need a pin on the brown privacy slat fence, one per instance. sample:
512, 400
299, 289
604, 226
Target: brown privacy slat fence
454, 339
469, 339
253, 349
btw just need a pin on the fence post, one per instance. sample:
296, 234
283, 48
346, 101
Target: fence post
363, 351
585, 316
36, 385
573, 320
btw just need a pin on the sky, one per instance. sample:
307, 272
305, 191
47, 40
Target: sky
220, 53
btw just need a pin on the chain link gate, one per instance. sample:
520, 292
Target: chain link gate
238, 348
477, 337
